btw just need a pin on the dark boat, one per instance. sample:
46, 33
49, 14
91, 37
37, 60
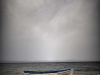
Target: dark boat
58, 72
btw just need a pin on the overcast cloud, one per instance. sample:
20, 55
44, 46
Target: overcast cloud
50, 30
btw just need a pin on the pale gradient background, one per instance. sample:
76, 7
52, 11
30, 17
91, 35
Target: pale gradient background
50, 30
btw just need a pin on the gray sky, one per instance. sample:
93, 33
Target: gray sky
50, 30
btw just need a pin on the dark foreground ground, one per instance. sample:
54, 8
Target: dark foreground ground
80, 68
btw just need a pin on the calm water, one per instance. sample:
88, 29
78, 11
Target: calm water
83, 68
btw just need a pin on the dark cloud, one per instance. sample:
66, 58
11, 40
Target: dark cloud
50, 30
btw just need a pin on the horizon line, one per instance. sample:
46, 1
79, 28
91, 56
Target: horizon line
43, 61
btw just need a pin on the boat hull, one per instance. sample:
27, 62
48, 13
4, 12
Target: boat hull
67, 72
